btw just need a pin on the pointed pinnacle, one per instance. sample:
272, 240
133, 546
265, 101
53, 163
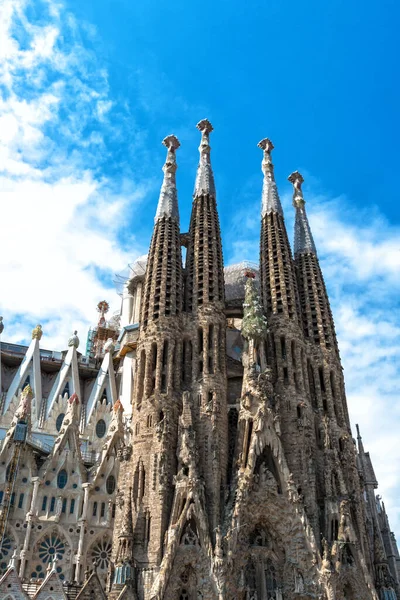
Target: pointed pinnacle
266, 145
270, 201
297, 179
204, 179
303, 239
168, 200
171, 142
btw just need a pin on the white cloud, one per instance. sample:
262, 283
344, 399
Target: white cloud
60, 231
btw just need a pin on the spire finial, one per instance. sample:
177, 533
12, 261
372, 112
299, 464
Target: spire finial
297, 179
168, 201
37, 332
303, 239
270, 197
205, 177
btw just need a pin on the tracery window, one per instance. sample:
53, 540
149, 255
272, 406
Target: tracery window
101, 553
5, 553
110, 484
62, 479
101, 428
59, 421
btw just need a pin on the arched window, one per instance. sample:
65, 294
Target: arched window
66, 389
102, 509
110, 484
149, 420
59, 421
94, 509
62, 479
101, 428
137, 428
44, 503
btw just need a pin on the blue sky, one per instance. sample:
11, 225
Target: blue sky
89, 90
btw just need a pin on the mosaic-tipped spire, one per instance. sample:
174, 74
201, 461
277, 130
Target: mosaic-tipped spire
168, 202
205, 178
270, 201
303, 239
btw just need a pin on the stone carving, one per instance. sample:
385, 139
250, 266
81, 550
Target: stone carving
74, 340
37, 333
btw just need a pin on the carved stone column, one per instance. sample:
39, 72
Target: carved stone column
29, 518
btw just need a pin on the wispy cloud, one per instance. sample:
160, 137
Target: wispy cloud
359, 253
61, 238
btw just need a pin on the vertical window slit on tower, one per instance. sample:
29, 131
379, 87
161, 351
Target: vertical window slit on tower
142, 365
283, 348
332, 382
164, 370
285, 376
200, 343
211, 348
153, 367
311, 383
321, 379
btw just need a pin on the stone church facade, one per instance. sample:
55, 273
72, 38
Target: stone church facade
203, 449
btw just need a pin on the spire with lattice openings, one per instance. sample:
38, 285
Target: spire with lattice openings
205, 281
277, 278
163, 281
315, 308
303, 239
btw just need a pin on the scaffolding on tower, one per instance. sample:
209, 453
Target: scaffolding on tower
105, 330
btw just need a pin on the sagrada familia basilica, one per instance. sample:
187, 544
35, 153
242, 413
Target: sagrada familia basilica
200, 449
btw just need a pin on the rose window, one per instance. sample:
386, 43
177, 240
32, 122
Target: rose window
50, 548
5, 552
101, 553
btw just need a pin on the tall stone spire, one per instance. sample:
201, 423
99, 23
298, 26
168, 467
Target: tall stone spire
278, 282
205, 280
205, 177
163, 281
270, 198
168, 202
316, 312
204, 350
303, 239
